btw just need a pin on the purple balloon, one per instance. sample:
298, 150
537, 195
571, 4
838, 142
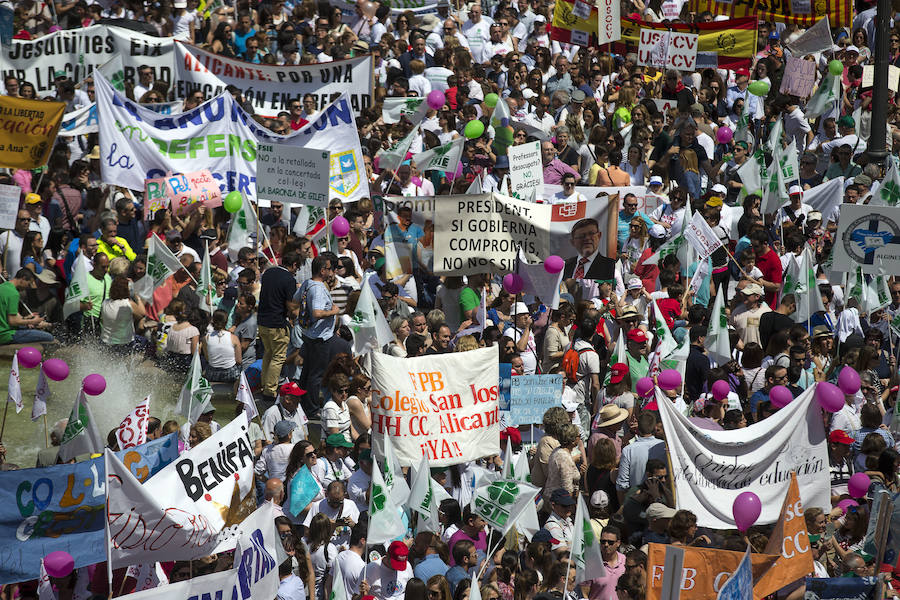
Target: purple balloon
858, 485
56, 369
847, 503
644, 387
746, 509
669, 379
340, 226
829, 396
29, 357
720, 390
780, 396
59, 563
436, 99
94, 384
848, 380
724, 134
554, 264
512, 283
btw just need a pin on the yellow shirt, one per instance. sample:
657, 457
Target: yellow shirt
123, 249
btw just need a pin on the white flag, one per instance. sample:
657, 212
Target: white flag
132, 431
392, 157
815, 39
445, 157
45, 589
195, 394
385, 523
338, 591
426, 495
538, 282
245, 397
502, 502
825, 197
475, 186
749, 174
370, 329
718, 345
77, 289
148, 575
889, 190
826, 95
14, 387
161, 264
413, 109
517, 468
243, 229
701, 236
474, 590
392, 473
586, 546
81, 435
206, 289
41, 395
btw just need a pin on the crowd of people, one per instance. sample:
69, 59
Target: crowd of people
284, 306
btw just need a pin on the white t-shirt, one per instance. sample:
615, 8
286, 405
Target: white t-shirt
529, 356
357, 487
181, 26
386, 583
341, 536
352, 566
334, 416
321, 565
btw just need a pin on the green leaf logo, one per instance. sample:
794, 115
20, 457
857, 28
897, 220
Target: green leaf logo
588, 537
378, 498
503, 492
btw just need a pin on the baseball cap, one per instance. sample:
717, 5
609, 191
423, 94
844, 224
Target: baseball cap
529, 93
599, 499
657, 231
337, 440
33, 198
658, 510
291, 389
181, 4
284, 428
397, 555
863, 179
379, 262
569, 399
512, 434
656, 180
720, 189
839, 436
847, 121
744, 72
851, 49
562, 496
814, 216
652, 405
637, 336
540, 19
752, 288
635, 284
519, 308
618, 372
795, 189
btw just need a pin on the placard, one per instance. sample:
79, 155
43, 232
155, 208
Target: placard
531, 396
9, 205
292, 175
868, 236
526, 171
799, 77
609, 21
653, 48
182, 192
682, 54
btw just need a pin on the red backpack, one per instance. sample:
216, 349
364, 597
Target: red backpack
570, 362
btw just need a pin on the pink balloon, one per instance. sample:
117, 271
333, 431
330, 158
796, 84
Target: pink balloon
340, 226
436, 99
829, 396
554, 264
848, 380
56, 369
29, 357
644, 387
780, 396
720, 390
858, 485
59, 563
724, 134
669, 379
847, 503
94, 384
513, 283
746, 509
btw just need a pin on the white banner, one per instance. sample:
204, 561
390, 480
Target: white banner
480, 233
712, 467
272, 88
701, 236
868, 236
82, 121
137, 144
444, 405
78, 52
609, 22
132, 431
526, 173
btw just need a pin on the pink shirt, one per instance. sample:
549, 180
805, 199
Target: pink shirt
480, 543
604, 588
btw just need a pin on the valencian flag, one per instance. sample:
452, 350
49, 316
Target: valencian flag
839, 12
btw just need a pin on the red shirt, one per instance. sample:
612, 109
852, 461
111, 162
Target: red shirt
670, 309
770, 265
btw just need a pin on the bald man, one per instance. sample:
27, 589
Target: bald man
275, 494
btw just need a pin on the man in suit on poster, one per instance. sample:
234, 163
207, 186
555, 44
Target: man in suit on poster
590, 265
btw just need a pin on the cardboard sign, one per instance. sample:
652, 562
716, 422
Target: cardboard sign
682, 51
609, 22
182, 192
9, 205
526, 172
668, 49
292, 175
531, 396
799, 77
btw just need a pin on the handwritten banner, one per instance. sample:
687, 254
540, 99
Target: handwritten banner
27, 131
531, 396
146, 460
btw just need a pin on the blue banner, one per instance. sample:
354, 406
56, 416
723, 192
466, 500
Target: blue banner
531, 395
48, 509
148, 459
740, 585
840, 588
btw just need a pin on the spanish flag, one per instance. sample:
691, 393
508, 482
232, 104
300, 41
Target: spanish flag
840, 12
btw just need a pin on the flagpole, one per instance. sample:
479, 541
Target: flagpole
3, 426
46, 432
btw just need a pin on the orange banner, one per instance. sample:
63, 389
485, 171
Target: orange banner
704, 572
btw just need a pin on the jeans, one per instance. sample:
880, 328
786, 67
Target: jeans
316, 356
275, 342
23, 336
691, 181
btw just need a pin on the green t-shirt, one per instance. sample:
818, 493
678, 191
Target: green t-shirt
468, 300
99, 291
9, 305
637, 368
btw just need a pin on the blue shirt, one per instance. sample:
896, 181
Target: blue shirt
454, 576
410, 236
291, 588
755, 399
432, 565
633, 464
317, 298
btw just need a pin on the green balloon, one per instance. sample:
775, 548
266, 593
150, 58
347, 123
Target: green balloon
474, 129
836, 67
759, 88
491, 100
233, 201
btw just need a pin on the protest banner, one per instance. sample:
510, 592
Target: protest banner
569, 27
799, 77
147, 459
27, 131
609, 21
667, 49
443, 405
48, 509
868, 236
272, 88
839, 12
710, 468
565, 215
740, 585
531, 396
840, 588
155, 196
292, 175
137, 144
182, 192
526, 173
9, 205
723, 44
484, 232
701, 236
83, 121
704, 571
77, 52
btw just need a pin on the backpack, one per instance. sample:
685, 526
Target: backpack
570, 362
304, 317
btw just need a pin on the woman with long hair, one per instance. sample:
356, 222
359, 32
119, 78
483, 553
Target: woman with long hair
183, 337
562, 472
400, 329
526, 584
222, 351
438, 588
636, 166
118, 314
683, 530
403, 26
335, 413
358, 405
751, 365
822, 352
415, 590
554, 420
450, 517
635, 244
303, 454
321, 551
601, 473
